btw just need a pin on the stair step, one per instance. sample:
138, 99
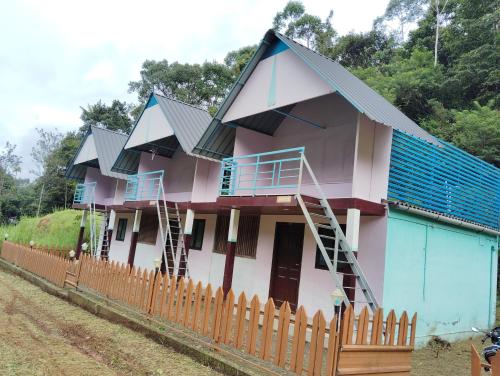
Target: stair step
327, 237
314, 205
321, 225
319, 215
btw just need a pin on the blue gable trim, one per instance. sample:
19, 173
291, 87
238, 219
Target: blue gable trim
152, 101
275, 49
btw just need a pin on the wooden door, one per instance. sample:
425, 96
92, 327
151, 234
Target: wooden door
287, 260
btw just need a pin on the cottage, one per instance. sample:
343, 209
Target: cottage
307, 181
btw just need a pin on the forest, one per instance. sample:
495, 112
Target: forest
436, 60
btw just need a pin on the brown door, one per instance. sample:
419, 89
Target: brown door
287, 259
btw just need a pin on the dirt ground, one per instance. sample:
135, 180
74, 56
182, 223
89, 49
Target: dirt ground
43, 335
454, 361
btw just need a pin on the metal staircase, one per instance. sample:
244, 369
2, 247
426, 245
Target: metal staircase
284, 170
103, 242
149, 186
340, 260
175, 240
85, 195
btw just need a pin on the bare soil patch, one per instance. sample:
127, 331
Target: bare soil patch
43, 335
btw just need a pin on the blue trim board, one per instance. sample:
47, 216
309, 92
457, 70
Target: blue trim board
275, 48
152, 101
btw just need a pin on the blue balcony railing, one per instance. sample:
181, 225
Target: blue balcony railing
84, 193
257, 173
145, 186
444, 179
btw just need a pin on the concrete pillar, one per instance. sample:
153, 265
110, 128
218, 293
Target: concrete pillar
352, 235
188, 232
232, 237
80, 234
111, 226
352, 228
135, 235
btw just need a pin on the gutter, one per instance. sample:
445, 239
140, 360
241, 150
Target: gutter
445, 219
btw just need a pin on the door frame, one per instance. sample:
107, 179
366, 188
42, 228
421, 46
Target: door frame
275, 254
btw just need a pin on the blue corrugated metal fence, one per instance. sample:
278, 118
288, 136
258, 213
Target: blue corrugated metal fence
444, 179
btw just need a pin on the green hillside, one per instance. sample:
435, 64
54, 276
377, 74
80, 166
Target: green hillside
59, 229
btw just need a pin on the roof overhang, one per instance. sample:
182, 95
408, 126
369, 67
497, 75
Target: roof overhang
218, 141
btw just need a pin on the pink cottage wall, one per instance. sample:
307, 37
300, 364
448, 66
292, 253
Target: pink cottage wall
253, 275
178, 173
329, 151
105, 187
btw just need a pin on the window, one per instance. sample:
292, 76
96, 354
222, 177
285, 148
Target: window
197, 235
121, 230
221, 231
248, 233
329, 243
148, 230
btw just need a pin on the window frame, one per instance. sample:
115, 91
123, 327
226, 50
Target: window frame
248, 235
151, 219
121, 230
196, 229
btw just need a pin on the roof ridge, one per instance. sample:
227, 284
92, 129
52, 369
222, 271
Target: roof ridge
109, 130
316, 52
181, 102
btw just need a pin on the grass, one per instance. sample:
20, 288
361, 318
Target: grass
59, 229
43, 335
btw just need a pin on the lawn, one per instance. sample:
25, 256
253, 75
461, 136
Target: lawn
43, 335
59, 229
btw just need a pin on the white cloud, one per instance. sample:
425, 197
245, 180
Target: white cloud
102, 71
53, 116
58, 55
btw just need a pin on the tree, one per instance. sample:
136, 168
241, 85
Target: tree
439, 7
295, 23
478, 131
238, 59
10, 162
410, 83
200, 85
57, 190
115, 117
362, 50
10, 165
47, 142
405, 11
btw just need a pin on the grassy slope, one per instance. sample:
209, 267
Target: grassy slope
59, 229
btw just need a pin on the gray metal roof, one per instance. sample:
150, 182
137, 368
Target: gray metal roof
188, 123
218, 141
108, 146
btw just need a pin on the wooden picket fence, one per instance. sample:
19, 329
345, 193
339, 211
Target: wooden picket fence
478, 366
45, 264
355, 345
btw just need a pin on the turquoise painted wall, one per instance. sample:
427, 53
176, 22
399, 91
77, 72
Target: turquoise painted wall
446, 274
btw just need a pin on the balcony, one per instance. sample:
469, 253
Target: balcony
264, 173
146, 186
84, 194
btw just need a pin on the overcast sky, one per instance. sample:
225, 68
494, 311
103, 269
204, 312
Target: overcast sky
56, 56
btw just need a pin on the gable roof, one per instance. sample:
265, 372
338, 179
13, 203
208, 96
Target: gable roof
107, 144
218, 141
187, 122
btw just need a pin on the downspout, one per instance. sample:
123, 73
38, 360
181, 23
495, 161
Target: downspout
445, 219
